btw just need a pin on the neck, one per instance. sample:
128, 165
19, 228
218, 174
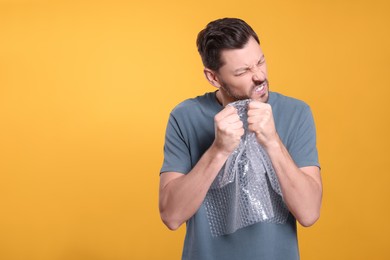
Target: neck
219, 98
223, 98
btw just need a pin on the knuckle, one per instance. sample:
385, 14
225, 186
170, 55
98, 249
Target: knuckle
229, 109
223, 128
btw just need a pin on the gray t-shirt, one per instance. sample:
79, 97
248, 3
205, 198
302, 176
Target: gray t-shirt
190, 132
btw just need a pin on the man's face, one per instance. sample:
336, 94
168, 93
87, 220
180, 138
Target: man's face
244, 74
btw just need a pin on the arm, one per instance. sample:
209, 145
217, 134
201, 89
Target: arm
301, 187
181, 195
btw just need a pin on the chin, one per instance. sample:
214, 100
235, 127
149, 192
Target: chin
263, 97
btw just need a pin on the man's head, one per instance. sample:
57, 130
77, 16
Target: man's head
233, 60
222, 34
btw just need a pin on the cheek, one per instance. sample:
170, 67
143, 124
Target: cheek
264, 69
243, 82
239, 84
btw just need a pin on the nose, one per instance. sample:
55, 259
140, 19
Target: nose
258, 74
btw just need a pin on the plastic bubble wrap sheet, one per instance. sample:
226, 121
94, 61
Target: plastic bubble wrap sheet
246, 190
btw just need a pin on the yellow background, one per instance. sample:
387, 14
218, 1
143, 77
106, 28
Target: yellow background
86, 88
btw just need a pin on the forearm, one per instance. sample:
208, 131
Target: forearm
301, 188
181, 197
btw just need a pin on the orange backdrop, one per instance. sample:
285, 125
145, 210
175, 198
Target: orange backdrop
85, 92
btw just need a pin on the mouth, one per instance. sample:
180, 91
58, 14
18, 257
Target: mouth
261, 88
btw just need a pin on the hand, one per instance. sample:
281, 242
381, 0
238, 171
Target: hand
261, 122
228, 130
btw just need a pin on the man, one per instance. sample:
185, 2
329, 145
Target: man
202, 132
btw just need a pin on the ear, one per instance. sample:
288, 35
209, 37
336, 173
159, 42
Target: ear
212, 77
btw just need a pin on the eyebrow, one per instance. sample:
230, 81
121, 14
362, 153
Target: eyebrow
246, 68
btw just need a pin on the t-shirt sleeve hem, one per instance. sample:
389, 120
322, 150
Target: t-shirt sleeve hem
308, 163
182, 171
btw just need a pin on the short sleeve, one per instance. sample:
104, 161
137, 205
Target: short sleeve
176, 152
304, 148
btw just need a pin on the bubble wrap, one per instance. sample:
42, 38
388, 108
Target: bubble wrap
246, 190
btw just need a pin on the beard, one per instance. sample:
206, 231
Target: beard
236, 96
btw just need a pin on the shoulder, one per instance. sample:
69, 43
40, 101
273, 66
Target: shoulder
184, 106
289, 113
204, 104
280, 100
285, 106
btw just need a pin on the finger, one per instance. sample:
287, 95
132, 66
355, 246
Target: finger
227, 126
236, 125
231, 118
254, 112
253, 128
234, 132
259, 109
253, 119
229, 110
255, 104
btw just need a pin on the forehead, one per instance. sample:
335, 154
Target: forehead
247, 56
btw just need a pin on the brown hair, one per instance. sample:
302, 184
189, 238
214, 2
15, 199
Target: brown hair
222, 34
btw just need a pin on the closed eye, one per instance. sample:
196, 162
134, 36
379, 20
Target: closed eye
241, 72
261, 61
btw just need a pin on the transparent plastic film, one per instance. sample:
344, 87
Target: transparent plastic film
246, 190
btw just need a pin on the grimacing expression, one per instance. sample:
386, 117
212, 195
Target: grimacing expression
244, 74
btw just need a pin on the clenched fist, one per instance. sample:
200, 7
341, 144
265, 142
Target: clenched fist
228, 130
261, 122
